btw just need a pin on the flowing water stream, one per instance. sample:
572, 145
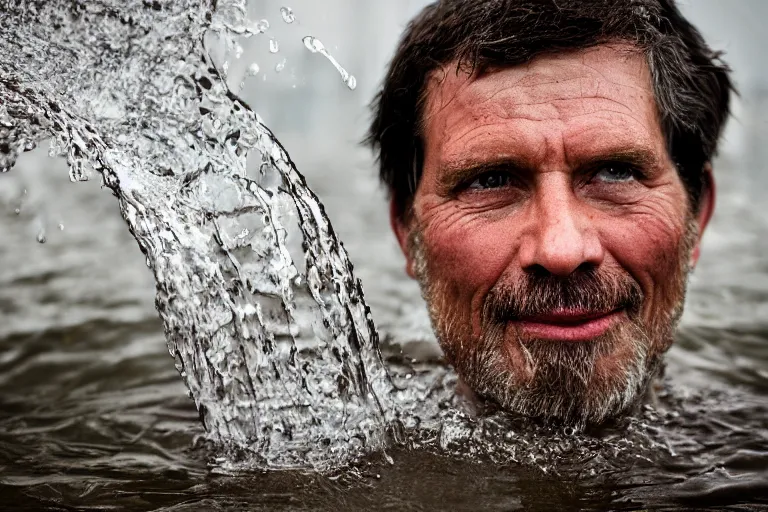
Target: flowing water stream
260, 307
266, 322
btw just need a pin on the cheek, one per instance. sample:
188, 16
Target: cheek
466, 251
648, 247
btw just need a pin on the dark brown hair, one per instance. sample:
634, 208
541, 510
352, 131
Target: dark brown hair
691, 84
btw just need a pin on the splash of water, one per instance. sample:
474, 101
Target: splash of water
261, 309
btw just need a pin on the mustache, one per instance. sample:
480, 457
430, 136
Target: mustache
539, 293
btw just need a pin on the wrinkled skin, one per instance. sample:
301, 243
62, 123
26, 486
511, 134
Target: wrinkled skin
554, 172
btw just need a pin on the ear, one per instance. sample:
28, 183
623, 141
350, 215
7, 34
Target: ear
402, 231
706, 208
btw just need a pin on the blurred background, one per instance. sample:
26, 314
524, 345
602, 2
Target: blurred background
90, 268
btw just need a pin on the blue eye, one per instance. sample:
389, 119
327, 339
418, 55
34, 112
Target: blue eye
489, 180
615, 174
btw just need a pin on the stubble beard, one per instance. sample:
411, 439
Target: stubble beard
578, 383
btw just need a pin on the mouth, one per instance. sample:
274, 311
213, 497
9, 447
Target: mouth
569, 324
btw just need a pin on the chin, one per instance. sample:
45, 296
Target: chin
578, 383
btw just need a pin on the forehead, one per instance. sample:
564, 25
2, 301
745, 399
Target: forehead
567, 103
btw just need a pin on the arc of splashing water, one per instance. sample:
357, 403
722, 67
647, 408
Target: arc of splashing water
280, 356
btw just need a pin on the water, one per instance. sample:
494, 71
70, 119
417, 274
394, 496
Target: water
94, 414
261, 311
287, 14
314, 45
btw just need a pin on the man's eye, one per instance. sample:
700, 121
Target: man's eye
615, 174
488, 180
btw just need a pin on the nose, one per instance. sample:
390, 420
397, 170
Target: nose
561, 237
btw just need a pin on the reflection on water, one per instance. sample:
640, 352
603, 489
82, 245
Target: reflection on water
93, 413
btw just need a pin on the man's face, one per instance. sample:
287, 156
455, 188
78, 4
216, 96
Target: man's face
550, 232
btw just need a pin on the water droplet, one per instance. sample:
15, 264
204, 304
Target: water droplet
253, 69
61, 227
280, 66
273, 46
313, 44
262, 26
17, 211
287, 14
41, 238
76, 172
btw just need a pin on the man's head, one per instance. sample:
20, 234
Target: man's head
548, 168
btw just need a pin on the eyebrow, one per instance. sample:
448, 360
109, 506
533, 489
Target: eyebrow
453, 174
635, 156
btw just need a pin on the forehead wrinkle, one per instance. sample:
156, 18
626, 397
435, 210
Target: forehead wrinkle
554, 68
531, 96
525, 149
626, 49
590, 81
621, 123
634, 134
557, 104
474, 113
629, 133
644, 76
479, 131
436, 90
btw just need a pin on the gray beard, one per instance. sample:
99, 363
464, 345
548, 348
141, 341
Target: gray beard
558, 379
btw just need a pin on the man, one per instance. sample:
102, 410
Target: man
548, 164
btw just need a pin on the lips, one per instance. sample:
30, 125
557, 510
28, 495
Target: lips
569, 324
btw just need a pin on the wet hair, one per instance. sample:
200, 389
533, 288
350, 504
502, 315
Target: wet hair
690, 82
